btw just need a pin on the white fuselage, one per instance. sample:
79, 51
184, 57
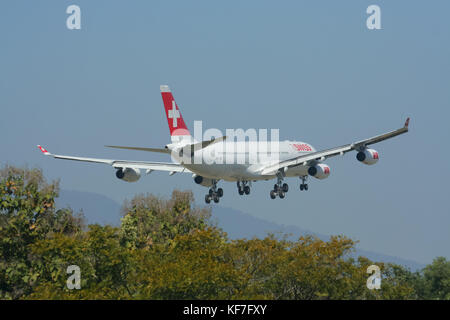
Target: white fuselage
243, 160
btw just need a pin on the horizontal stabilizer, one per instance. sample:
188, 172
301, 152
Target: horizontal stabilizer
141, 149
204, 144
201, 145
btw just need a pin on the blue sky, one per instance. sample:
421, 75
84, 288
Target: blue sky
310, 68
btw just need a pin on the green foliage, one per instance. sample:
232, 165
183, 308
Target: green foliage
435, 283
169, 249
27, 215
192, 267
149, 220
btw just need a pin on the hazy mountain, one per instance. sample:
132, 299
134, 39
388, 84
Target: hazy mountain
100, 209
96, 208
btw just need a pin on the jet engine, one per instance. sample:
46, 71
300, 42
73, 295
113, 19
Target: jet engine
202, 181
319, 171
367, 156
128, 174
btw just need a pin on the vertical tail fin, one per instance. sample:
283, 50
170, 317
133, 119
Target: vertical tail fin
177, 127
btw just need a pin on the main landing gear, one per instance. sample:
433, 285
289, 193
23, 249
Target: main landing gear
303, 185
279, 189
214, 193
243, 187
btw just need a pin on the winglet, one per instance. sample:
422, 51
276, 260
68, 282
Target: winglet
407, 123
43, 150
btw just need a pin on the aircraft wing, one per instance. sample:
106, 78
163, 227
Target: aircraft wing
157, 166
322, 155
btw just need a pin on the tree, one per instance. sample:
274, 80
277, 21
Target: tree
149, 220
435, 280
191, 267
27, 214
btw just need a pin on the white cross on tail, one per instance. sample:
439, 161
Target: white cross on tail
174, 114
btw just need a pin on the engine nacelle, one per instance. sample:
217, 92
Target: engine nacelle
128, 174
203, 181
319, 171
368, 156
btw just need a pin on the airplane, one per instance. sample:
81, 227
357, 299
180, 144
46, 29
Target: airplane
293, 158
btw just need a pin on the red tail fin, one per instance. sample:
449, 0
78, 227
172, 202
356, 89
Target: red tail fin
176, 123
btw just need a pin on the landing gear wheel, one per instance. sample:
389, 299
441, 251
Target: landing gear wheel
303, 185
207, 199
247, 190
273, 194
281, 195
220, 192
285, 187
216, 199
211, 192
275, 187
241, 192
